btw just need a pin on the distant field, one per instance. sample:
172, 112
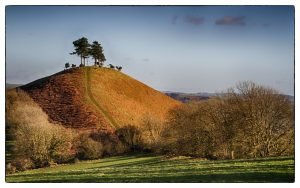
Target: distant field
149, 168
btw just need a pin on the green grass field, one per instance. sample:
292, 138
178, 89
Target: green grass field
150, 168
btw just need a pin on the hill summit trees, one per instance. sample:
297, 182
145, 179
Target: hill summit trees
96, 51
84, 50
81, 49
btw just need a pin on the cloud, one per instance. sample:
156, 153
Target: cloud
195, 20
229, 20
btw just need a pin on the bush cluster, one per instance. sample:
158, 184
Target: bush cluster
89, 148
39, 143
36, 142
247, 122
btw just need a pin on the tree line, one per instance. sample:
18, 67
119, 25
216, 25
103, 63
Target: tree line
246, 122
249, 121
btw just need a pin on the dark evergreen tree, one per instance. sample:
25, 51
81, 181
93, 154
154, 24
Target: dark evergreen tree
81, 49
96, 51
102, 58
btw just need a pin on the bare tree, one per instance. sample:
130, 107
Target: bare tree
267, 119
248, 121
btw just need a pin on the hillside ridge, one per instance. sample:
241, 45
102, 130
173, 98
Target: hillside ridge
90, 95
97, 98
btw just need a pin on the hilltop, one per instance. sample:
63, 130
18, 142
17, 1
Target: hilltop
97, 98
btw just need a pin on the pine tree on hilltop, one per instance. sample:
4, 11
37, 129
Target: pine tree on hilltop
81, 49
96, 51
102, 58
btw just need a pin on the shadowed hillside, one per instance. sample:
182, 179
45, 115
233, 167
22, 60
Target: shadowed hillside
93, 98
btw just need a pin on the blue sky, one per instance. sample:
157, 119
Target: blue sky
177, 48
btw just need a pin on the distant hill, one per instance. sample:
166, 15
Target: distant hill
189, 97
93, 98
192, 97
290, 97
11, 86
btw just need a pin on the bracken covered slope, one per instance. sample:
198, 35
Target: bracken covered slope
97, 98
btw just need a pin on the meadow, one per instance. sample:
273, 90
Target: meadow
151, 168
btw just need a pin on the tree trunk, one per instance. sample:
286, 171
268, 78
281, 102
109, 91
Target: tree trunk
232, 154
80, 60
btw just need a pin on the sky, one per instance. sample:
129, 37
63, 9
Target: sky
170, 48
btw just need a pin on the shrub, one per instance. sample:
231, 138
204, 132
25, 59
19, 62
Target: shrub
119, 68
67, 65
110, 142
129, 135
43, 143
35, 138
149, 133
76, 160
188, 133
21, 164
61, 145
89, 148
9, 168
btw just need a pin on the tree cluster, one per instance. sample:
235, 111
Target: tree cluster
251, 121
86, 50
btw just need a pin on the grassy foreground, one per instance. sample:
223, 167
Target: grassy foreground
149, 168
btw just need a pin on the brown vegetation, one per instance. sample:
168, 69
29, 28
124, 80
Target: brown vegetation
37, 142
64, 99
247, 122
251, 122
128, 100
44, 113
